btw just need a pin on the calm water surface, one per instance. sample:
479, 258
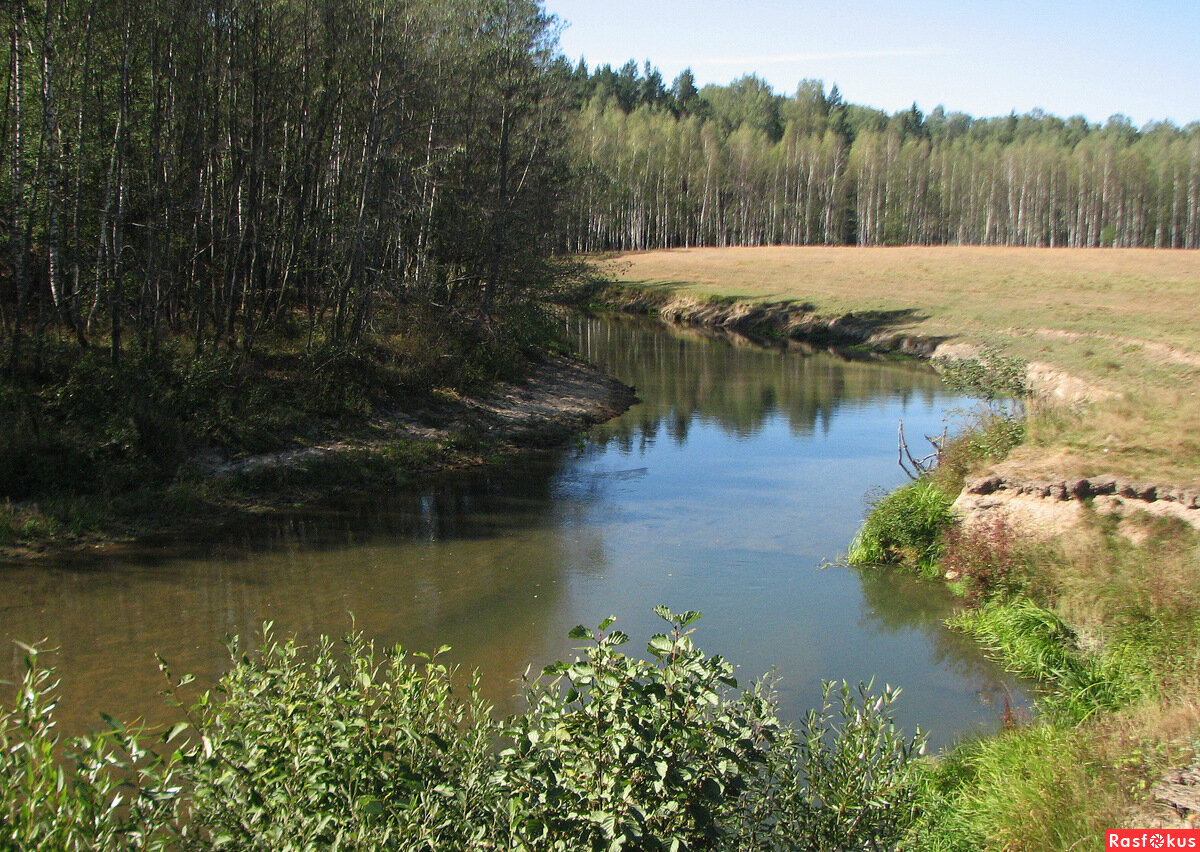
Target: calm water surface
742, 473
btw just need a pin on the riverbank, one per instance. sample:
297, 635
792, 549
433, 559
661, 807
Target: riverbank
1109, 336
557, 397
1075, 536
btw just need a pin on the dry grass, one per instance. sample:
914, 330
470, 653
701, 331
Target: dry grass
1124, 320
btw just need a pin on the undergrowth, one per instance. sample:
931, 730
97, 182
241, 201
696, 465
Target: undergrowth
80, 437
355, 748
1110, 630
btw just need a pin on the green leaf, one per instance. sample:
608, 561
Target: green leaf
579, 632
660, 645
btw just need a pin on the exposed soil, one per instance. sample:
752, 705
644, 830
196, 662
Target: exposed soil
1046, 507
872, 331
1039, 506
559, 397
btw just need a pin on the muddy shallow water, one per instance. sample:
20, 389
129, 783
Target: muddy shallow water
730, 488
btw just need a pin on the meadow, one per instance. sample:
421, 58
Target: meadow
1124, 322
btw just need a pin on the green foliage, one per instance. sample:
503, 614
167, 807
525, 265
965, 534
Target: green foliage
104, 793
1028, 788
340, 748
345, 747
1032, 641
905, 528
989, 436
621, 753
859, 790
993, 377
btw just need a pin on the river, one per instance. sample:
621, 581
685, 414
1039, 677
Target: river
732, 488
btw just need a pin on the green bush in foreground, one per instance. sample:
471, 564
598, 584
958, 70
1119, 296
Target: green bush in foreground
105, 792
346, 748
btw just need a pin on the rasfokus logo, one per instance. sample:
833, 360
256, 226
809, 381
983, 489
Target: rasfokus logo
1152, 838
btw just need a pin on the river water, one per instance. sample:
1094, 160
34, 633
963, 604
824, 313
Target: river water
732, 488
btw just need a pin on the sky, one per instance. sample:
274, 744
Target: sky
982, 57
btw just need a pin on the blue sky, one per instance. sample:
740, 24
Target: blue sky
983, 57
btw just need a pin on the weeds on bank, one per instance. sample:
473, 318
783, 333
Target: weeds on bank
1036, 643
1115, 643
1105, 618
79, 437
905, 528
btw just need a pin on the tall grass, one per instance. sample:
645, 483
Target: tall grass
1032, 641
904, 528
1030, 789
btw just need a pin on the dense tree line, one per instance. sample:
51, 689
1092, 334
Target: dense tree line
659, 166
220, 168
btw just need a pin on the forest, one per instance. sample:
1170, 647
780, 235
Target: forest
230, 222
659, 167
220, 169
227, 220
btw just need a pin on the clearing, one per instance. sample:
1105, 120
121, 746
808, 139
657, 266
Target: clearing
1123, 321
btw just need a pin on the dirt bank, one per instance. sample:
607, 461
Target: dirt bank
1042, 505
860, 331
558, 398
1046, 507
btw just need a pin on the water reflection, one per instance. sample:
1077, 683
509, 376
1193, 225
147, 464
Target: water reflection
739, 475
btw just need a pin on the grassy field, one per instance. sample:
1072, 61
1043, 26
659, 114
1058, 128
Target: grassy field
1125, 321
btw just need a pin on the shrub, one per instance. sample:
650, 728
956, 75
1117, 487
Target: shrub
346, 748
985, 555
104, 792
618, 752
349, 748
858, 789
989, 436
998, 379
905, 528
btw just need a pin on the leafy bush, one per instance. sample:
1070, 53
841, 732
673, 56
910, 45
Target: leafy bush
104, 792
989, 436
349, 748
905, 528
995, 378
340, 748
855, 788
617, 752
